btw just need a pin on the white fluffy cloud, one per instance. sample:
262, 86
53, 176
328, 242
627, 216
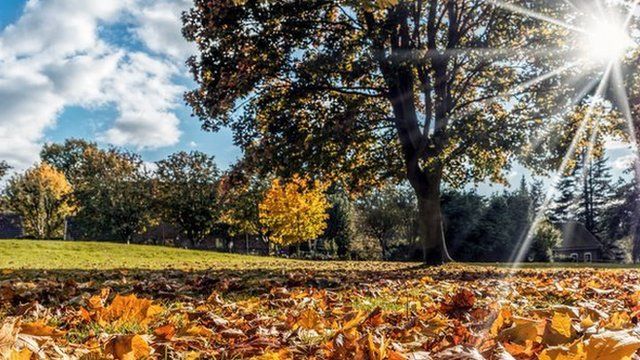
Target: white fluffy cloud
53, 57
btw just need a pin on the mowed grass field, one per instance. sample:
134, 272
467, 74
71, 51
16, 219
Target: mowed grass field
81, 255
84, 255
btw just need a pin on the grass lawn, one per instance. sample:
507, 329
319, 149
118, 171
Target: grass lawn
38, 254
81, 255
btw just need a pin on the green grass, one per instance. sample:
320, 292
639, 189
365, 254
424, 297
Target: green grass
40, 254
80, 255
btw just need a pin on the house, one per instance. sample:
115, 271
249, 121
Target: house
578, 245
10, 226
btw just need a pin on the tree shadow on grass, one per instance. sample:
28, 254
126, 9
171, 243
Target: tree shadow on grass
55, 287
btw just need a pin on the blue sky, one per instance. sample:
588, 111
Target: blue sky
113, 72
110, 71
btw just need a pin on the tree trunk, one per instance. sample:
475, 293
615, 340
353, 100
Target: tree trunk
434, 247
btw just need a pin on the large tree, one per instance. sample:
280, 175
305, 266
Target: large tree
366, 90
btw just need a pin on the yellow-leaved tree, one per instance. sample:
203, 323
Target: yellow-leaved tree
42, 197
295, 211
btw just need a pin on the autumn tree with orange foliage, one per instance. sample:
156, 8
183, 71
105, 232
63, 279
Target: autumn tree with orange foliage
294, 212
41, 196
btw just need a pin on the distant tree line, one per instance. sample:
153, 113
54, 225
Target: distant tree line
111, 194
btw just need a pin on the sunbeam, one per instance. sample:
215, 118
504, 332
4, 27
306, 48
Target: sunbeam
522, 249
535, 15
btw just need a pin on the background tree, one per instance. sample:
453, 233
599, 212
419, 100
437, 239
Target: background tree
4, 168
294, 212
537, 194
596, 193
188, 193
340, 224
364, 90
42, 197
113, 192
463, 211
241, 199
69, 157
546, 237
564, 205
381, 217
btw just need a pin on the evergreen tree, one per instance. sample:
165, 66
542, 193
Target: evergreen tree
596, 193
564, 204
4, 168
340, 224
537, 195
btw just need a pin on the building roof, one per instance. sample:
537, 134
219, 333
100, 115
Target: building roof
575, 236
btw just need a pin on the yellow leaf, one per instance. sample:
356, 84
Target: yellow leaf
573, 352
618, 321
130, 309
503, 316
128, 347
522, 331
559, 330
612, 345
24, 354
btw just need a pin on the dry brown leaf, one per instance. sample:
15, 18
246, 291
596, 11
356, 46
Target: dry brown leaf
459, 353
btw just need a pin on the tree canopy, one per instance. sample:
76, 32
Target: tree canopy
363, 91
42, 196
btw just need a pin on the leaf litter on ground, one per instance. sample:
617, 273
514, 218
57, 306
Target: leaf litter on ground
344, 312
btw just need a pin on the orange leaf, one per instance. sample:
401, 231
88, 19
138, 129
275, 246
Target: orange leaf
128, 347
165, 332
130, 309
40, 329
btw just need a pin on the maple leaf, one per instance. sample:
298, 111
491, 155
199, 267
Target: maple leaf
310, 320
612, 345
572, 352
128, 347
166, 332
559, 330
128, 310
523, 330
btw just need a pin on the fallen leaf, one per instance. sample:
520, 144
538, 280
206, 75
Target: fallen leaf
128, 347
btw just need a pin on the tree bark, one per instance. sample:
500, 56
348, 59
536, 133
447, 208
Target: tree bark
430, 222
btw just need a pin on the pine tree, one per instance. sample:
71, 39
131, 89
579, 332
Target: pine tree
564, 205
536, 192
596, 194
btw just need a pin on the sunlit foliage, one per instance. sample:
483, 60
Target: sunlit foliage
42, 197
294, 211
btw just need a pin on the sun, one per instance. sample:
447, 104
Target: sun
605, 41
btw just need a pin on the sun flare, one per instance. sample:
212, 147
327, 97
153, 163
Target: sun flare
606, 41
